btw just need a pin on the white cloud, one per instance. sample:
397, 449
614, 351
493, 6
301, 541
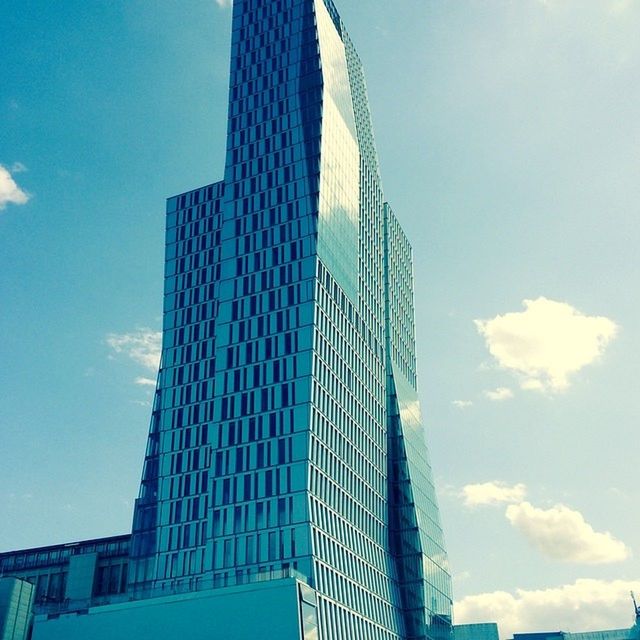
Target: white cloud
492, 493
462, 404
10, 192
463, 576
563, 534
600, 6
547, 342
619, 7
224, 4
501, 393
586, 604
143, 345
145, 382
532, 385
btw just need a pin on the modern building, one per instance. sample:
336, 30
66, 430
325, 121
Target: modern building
476, 631
632, 633
286, 460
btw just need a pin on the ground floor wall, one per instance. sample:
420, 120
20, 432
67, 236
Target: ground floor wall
273, 609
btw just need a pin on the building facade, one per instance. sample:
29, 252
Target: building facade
632, 633
476, 631
286, 434
286, 428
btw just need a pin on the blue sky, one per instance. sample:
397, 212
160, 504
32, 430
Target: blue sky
508, 139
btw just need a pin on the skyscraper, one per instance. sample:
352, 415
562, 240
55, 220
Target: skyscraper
286, 435
286, 430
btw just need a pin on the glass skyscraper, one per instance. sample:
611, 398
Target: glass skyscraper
286, 431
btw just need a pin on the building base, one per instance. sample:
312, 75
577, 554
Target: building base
274, 609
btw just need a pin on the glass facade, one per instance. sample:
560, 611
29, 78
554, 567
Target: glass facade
286, 431
16, 597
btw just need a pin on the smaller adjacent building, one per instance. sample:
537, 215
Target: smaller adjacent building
489, 631
609, 634
79, 590
74, 572
477, 631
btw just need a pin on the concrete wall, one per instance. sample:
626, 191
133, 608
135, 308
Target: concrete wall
248, 612
82, 570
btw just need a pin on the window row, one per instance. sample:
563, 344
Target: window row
257, 455
338, 622
359, 425
259, 427
350, 478
339, 527
332, 493
258, 485
345, 561
266, 546
355, 597
258, 515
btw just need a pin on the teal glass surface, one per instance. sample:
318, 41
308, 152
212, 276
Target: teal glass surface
286, 431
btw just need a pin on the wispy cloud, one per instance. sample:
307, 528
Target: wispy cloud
547, 342
224, 4
462, 404
501, 393
143, 346
586, 604
463, 576
563, 534
10, 192
614, 7
618, 7
145, 382
491, 493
